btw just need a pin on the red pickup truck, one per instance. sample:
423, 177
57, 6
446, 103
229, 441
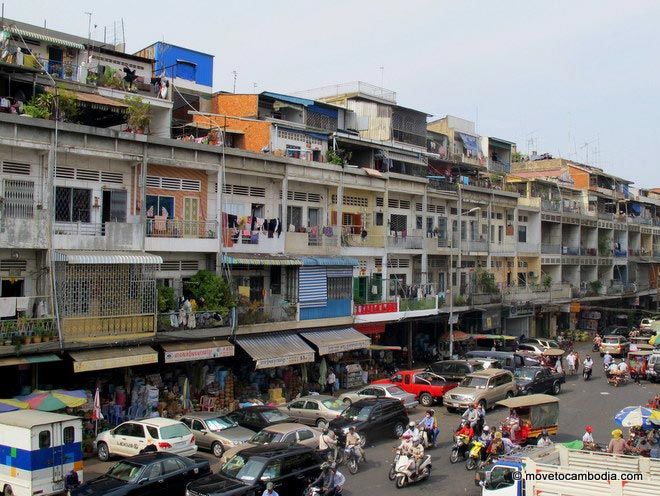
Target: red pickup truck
426, 386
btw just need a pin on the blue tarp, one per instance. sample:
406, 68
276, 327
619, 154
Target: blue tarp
290, 99
636, 208
470, 143
330, 261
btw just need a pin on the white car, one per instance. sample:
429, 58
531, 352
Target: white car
544, 342
534, 348
646, 323
380, 391
130, 438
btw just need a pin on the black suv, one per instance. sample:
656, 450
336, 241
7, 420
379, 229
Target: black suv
455, 370
291, 468
372, 418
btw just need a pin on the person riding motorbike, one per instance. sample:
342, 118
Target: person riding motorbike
417, 455
328, 444
588, 366
465, 430
513, 422
486, 436
597, 342
588, 439
353, 440
413, 430
406, 444
330, 481
544, 440
607, 360
509, 445
428, 425
471, 415
496, 448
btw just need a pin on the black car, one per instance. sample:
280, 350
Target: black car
455, 370
151, 473
258, 417
372, 418
532, 380
291, 468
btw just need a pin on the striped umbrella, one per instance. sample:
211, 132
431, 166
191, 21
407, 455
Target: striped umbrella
51, 401
654, 419
632, 416
9, 405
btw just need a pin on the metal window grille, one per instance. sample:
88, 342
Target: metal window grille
18, 199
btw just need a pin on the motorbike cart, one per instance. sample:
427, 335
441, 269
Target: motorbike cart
537, 412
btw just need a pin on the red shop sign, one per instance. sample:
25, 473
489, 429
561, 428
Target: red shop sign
371, 308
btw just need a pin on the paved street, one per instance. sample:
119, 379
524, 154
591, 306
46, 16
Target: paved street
582, 403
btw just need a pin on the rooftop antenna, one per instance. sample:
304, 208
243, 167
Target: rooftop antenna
382, 73
89, 26
235, 75
254, 86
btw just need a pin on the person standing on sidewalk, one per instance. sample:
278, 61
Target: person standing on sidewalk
330, 381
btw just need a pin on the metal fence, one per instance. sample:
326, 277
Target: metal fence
177, 228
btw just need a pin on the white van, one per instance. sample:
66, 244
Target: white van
38, 450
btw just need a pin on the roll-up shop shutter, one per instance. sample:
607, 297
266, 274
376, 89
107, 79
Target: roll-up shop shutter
312, 287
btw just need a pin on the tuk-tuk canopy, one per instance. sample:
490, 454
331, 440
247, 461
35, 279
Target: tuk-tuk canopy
640, 353
528, 400
503, 337
543, 409
554, 352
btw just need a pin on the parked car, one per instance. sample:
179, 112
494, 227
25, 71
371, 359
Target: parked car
534, 348
532, 380
130, 438
281, 433
646, 323
489, 363
485, 387
216, 433
257, 417
510, 360
290, 468
315, 410
614, 345
372, 418
653, 367
150, 473
426, 386
386, 390
544, 342
455, 370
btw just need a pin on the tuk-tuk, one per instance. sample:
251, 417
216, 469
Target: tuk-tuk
639, 340
537, 412
639, 356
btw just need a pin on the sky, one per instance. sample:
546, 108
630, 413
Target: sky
576, 78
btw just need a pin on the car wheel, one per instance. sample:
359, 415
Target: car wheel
426, 399
556, 388
322, 423
347, 401
217, 450
451, 409
509, 394
399, 429
103, 452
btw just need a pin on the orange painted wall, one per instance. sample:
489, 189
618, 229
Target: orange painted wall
236, 105
256, 135
580, 177
164, 171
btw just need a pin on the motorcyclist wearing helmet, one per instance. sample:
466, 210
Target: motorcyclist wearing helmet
486, 436
331, 480
465, 430
406, 444
413, 430
417, 454
328, 444
544, 440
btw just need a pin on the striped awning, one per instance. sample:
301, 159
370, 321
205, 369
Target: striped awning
337, 340
254, 259
330, 261
26, 360
276, 349
107, 257
44, 37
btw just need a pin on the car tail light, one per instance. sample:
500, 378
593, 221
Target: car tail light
192, 440
163, 445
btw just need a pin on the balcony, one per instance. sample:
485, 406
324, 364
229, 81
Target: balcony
571, 209
497, 166
359, 237
245, 241
400, 241
550, 249
634, 252
32, 323
474, 246
169, 321
534, 202
459, 156
475, 299
398, 309
534, 293
320, 242
333, 309
257, 312
619, 253
605, 215
589, 252
443, 185
414, 304
108, 328
647, 221
503, 249
181, 235
101, 236
570, 250
529, 247
550, 205
28, 230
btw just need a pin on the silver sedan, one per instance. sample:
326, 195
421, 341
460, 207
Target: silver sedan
316, 410
381, 391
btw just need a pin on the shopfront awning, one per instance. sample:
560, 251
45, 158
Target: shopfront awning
337, 340
190, 351
330, 261
276, 349
254, 259
24, 33
26, 360
107, 257
113, 358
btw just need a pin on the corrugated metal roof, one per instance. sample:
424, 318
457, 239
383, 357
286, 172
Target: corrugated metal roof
22, 360
44, 37
254, 259
276, 349
330, 261
337, 340
107, 257
31, 418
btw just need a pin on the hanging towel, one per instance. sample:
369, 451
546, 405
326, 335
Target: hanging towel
7, 307
315, 231
22, 303
259, 224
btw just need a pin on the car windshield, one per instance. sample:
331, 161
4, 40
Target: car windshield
477, 366
220, 423
125, 471
357, 412
274, 415
525, 373
335, 405
611, 340
266, 437
553, 344
243, 467
474, 382
395, 391
174, 430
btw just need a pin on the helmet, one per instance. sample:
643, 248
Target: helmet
486, 428
464, 422
326, 430
589, 429
411, 424
544, 433
430, 412
498, 435
333, 466
416, 441
407, 435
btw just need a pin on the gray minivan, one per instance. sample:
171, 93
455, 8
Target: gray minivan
510, 360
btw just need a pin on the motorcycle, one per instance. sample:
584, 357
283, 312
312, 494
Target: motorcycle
586, 373
460, 448
475, 455
406, 473
317, 491
392, 473
352, 458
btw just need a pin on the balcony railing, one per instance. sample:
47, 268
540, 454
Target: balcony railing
620, 253
177, 228
502, 248
173, 321
442, 185
322, 236
621, 288
497, 166
359, 236
412, 304
404, 242
80, 228
477, 298
634, 253
589, 252
550, 205
31, 322
536, 292
605, 215
641, 220
529, 247
258, 313
475, 246
570, 250
550, 249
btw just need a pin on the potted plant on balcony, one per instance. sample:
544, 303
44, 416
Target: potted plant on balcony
138, 114
546, 281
